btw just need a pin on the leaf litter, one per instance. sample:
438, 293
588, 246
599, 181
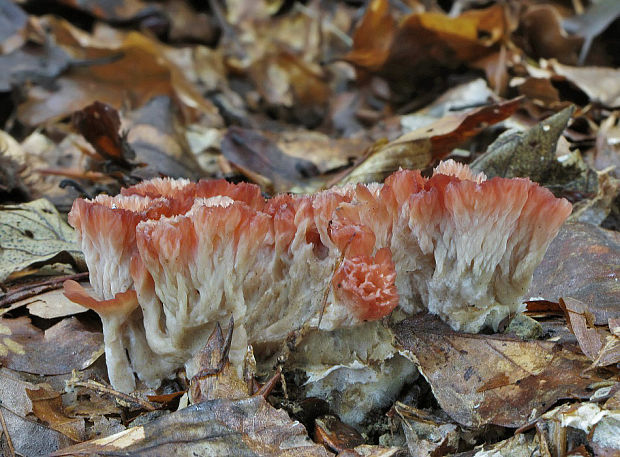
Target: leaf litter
299, 96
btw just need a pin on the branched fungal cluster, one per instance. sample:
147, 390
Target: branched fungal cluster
168, 259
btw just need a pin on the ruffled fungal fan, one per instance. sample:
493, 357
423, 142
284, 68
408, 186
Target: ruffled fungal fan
169, 259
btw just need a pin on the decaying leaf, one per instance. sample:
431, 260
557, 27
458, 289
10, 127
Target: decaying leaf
100, 124
529, 154
13, 392
32, 64
601, 84
490, 379
66, 346
12, 187
426, 435
242, 428
582, 263
34, 233
594, 210
544, 36
30, 437
357, 370
255, 154
427, 41
600, 345
592, 423
423, 146
156, 135
516, 446
336, 435
50, 305
47, 406
114, 81
215, 377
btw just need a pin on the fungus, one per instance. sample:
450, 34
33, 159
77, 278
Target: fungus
187, 256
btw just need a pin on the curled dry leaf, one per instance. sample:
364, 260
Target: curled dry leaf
34, 233
50, 305
47, 406
489, 379
100, 124
255, 154
598, 344
30, 437
582, 263
545, 37
601, 84
428, 41
425, 145
66, 346
426, 435
214, 376
218, 427
336, 435
114, 80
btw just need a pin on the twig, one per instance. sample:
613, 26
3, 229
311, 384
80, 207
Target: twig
266, 388
98, 387
30, 290
5, 430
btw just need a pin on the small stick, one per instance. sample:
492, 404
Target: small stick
5, 430
31, 290
98, 387
266, 388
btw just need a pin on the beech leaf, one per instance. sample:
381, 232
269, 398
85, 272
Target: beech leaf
491, 379
243, 428
35, 233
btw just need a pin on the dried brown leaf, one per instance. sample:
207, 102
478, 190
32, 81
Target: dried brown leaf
336, 435
423, 146
601, 84
100, 124
426, 435
66, 346
115, 81
545, 37
582, 263
215, 378
581, 322
255, 154
490, 379
242, 428
47, 406
50, 305
427, 42
30, 437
